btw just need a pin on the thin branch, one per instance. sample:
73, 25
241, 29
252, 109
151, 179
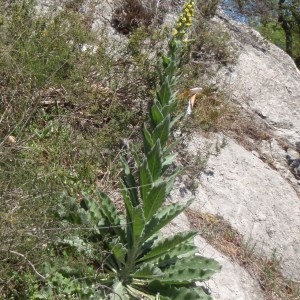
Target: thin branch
30, 263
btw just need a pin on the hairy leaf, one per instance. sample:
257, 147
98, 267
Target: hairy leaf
155, 161
154, 199
183, 250
165, 245
109, 210
156, 114
137, 224
119, 251
162, 131
180, 293
164, 94
163, 217
189, 270
147, 139
145, 180
130, 183
147, 271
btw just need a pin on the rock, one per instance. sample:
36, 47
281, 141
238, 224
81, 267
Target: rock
232, 282
255, 200
264, 79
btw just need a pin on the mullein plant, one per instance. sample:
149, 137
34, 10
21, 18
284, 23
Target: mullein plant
137, 261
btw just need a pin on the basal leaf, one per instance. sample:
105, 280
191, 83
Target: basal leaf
118, 291
145, 180
119, 251
163, 217
109, 210
180, 251
179, 293
189, 270
130, 183
94, 210
137, 222
165, 245
127, 200
147, 271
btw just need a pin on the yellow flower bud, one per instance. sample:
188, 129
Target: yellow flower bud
174, 32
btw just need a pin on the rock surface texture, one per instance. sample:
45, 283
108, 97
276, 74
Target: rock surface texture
251, 180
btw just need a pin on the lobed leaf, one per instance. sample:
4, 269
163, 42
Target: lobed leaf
130, 183
182, 250
119, 251
155, 161
163, 217
162, 131
110, 212
154, 199
178, 293
147, 271
189, 270
147, 139
164, 93
165, 245
156, 114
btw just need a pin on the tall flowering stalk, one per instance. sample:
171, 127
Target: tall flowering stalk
140, 263
185, 20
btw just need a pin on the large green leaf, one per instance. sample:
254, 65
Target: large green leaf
163, 217
189, 270
130, 183
145, 179
178, 293
137, 223
118, 291
155, 161
156, 114
147, 139
109, 210
127, 200
171, 180
147, 271
154, 199
168, 109
95, 213
165, 245
119, 251
162, 132
164, 93
182, 250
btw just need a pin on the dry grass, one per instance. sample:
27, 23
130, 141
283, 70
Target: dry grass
265, 271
